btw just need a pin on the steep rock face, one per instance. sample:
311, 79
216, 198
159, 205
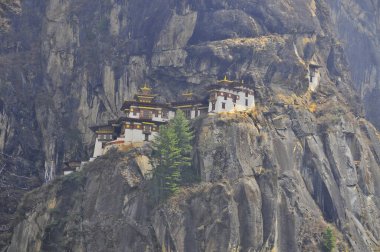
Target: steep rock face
357, 25
68, 65
280, 197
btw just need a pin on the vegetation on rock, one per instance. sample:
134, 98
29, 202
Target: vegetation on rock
172, 157
328, 240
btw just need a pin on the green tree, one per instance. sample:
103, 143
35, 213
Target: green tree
185, 137
166, 160
328, 240
171, 157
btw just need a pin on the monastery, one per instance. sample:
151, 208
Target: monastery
144, 115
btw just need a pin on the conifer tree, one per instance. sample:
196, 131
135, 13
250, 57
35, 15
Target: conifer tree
167, 156
185, 136
172, 156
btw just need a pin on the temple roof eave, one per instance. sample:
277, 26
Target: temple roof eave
128, 104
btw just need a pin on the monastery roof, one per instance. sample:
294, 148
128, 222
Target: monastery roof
190, 103
139, 120
71, 165
235, 87
128, 104
102, 126
314, 64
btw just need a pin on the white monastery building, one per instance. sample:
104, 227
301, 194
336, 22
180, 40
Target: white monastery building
314, 76
227, 96
144, 116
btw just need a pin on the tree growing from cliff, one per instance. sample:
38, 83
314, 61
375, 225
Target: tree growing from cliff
171, 156
328, 240
185, 137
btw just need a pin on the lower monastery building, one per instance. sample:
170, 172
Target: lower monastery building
144, 116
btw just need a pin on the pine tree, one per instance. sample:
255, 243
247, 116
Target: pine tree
172, 156
328, 240
185, 136
167, 156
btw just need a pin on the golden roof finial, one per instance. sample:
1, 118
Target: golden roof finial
225, 80
145, 87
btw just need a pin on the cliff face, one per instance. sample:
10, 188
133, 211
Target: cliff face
357, 25
270, 182
68, 65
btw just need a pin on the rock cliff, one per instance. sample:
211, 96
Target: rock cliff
270, 182
66, 65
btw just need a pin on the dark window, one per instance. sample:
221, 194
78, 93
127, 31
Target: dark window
213, 106
188, 114
225, 97
146, 137
246, 102
165, 114
223, 105
234, 99
246, 94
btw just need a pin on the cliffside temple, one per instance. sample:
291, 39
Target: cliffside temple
144, 115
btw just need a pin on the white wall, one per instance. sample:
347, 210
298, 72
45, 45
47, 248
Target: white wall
158, 118
240, 103
130, 115
98, 150
133, 135
171, 115
316, 77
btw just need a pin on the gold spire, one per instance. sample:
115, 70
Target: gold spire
225, 80
145, 88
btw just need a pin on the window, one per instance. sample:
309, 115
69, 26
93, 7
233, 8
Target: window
165, 114
146, 137
146, 128
223, 105
234, 99
246, 94
188, 114
213, 106
225, 97
246, 102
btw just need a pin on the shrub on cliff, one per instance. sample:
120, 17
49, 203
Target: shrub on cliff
328, 240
